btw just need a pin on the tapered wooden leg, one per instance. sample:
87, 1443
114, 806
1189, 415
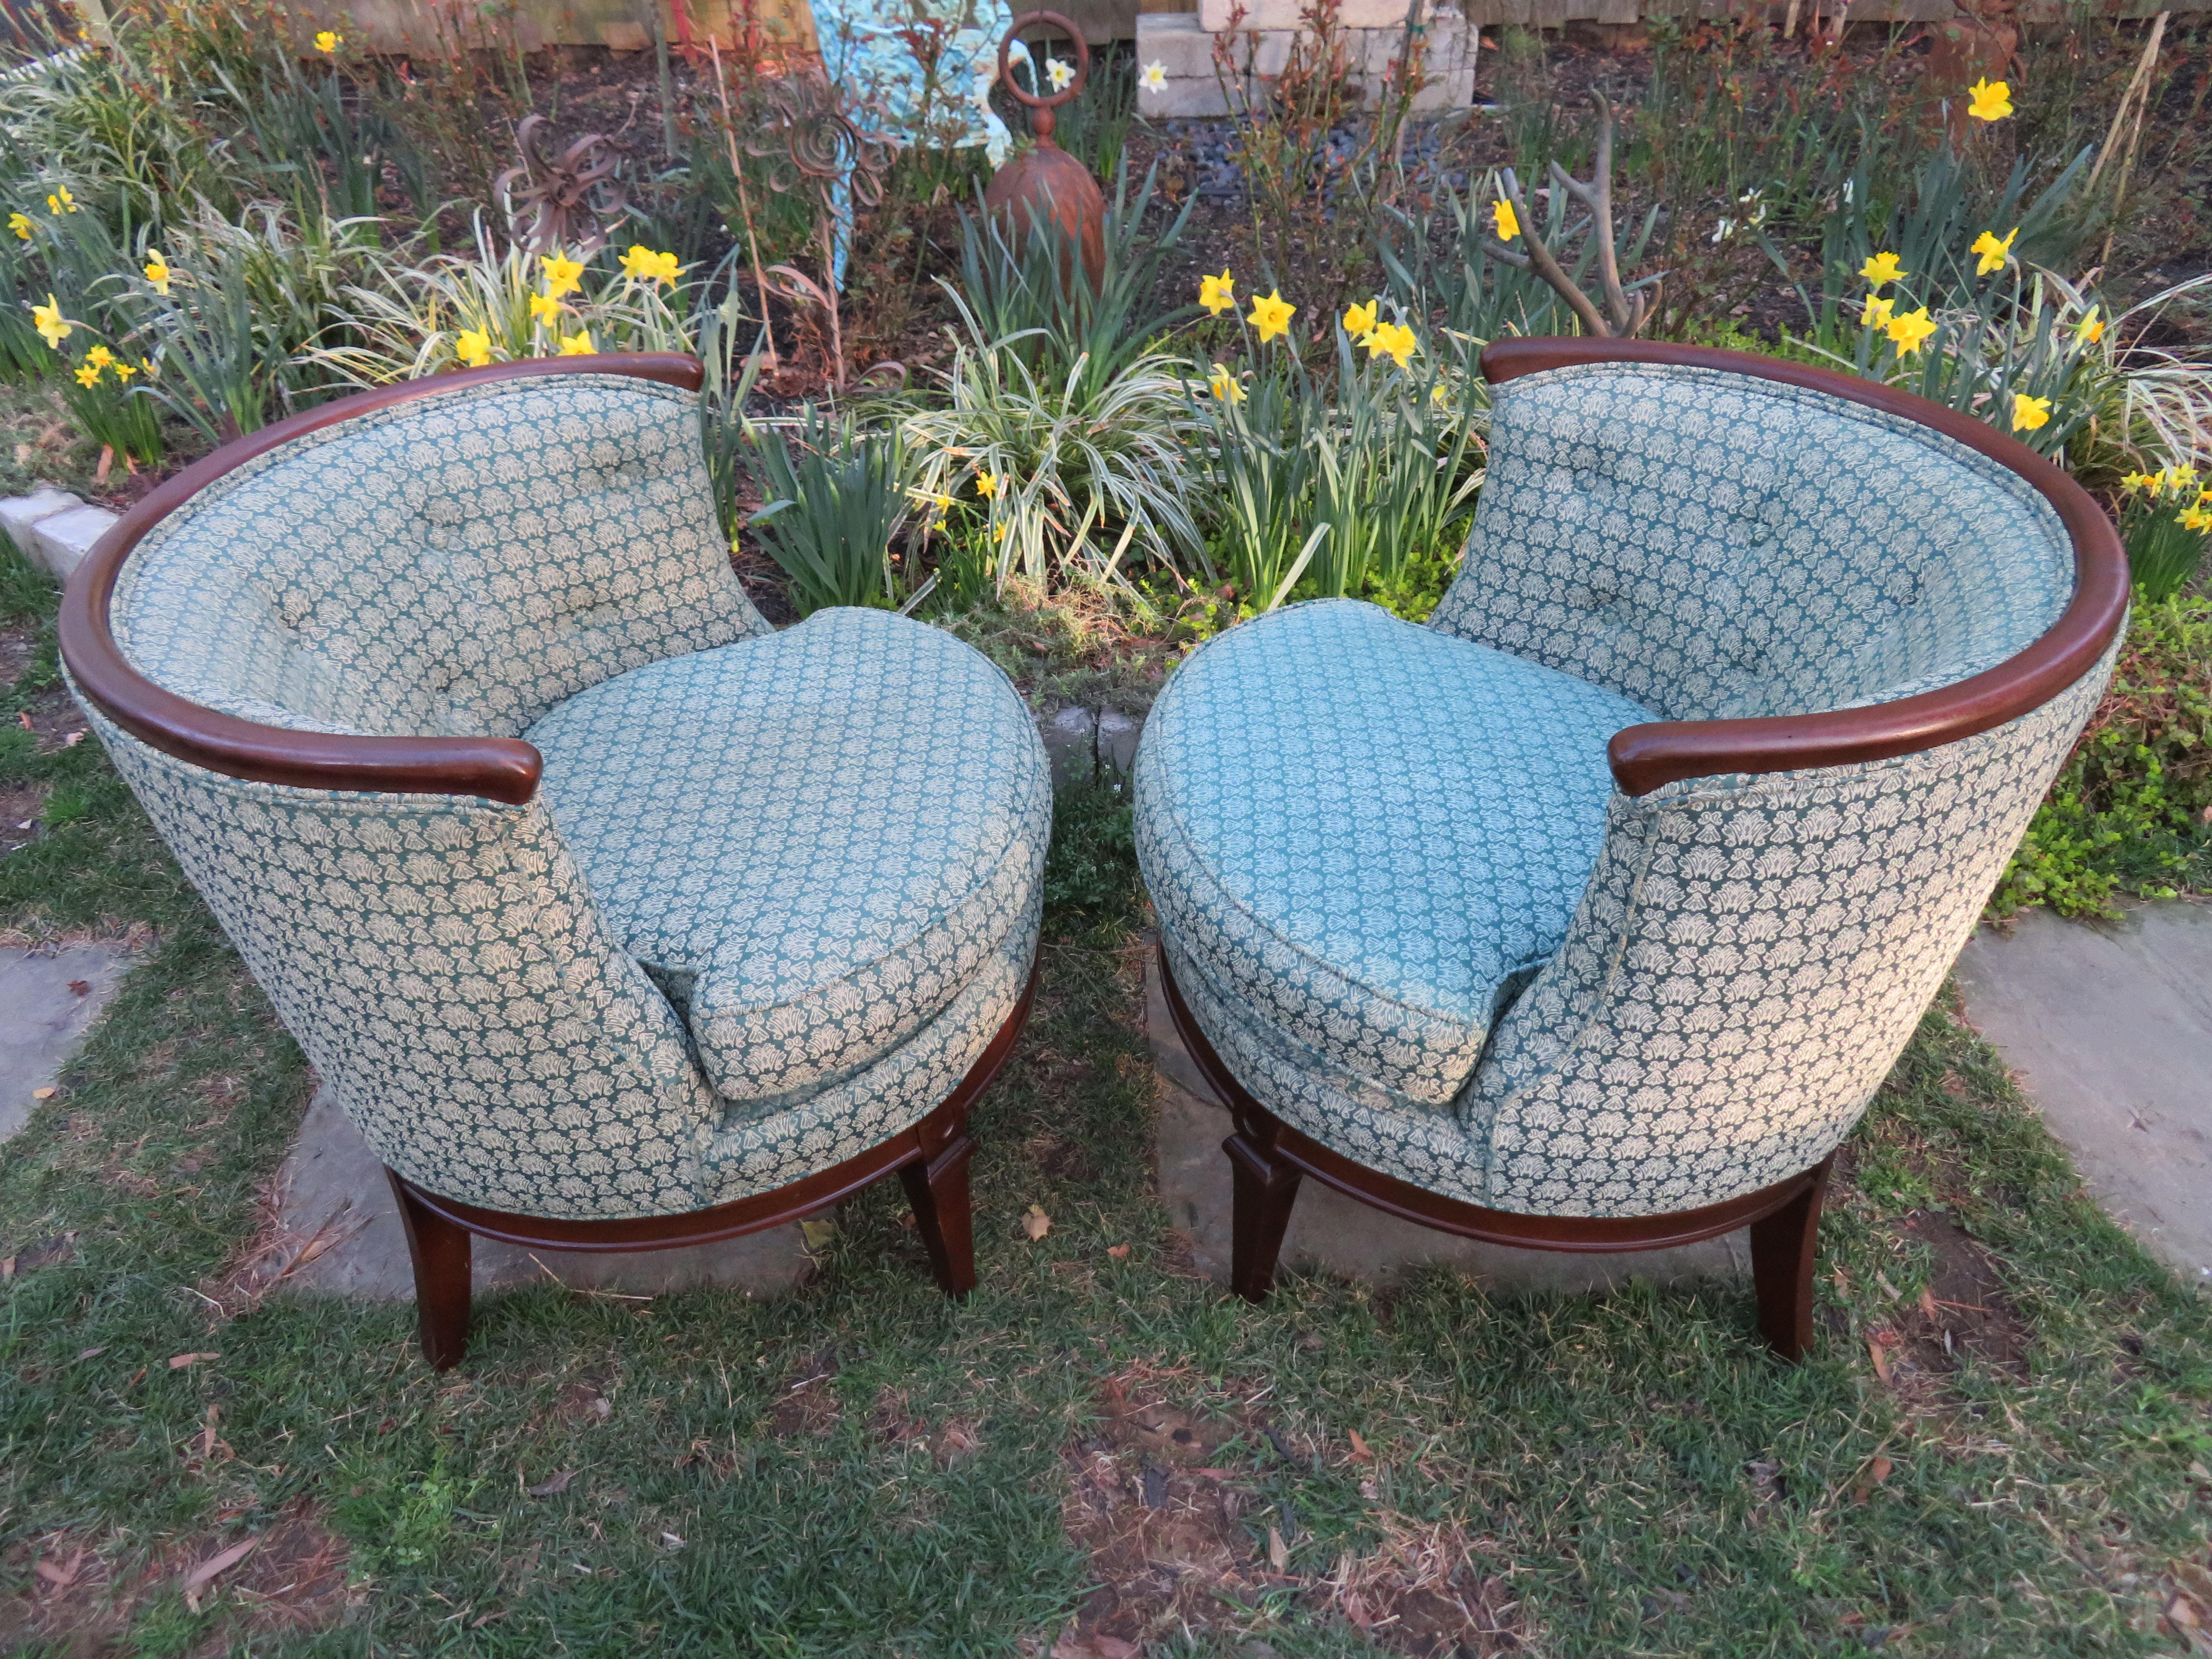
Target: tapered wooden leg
937, 1186
1782, 1248
1265, 1187
439, 1250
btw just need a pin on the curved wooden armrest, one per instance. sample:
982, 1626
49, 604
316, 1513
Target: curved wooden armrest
1645, 756
496, 769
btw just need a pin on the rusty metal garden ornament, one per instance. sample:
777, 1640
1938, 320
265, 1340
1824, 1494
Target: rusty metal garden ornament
812, 144
1047, 185
569, 199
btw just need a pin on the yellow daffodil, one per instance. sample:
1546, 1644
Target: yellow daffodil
99, 357
473, 347
642, 265
1992, 252
1876, 311
1359, 322
999, 532
1394, 341
1223, 384
1218, 294
562, 274
2090, 329
1991, 100
1154, 78
51, 324
544, 308
149, 368
157, 271
328, 41
2179, 477
61, 201
1880, 270
988, 484
88, 375
20, 224
1910, 331
2140, 481
578, 344
124, 371
1271, 316
1508, 222
2197, 519
2029, 413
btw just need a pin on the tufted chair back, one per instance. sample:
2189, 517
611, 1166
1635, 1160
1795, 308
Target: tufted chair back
441, 569
1716, 546
452, 565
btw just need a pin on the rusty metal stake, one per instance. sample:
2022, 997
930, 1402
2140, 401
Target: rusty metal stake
1047, 185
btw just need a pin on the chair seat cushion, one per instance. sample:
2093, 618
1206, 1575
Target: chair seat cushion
1371, 834
812, 840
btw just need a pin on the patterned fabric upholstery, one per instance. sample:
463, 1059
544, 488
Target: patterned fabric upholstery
1746, 955
811, 841
1715, 546
471, 561
1372, 834
453, 565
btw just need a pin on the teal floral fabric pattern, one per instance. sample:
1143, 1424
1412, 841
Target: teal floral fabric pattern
1372, 833
811, 841
1715, 546
1749, 961
477, 561
1744, 955
453, 565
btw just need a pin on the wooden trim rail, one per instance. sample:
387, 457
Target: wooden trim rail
496, 769
1645, 756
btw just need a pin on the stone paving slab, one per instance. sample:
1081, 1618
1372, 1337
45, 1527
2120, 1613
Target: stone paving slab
2109, 1027
1339, 1235
336, 1202
42, 1018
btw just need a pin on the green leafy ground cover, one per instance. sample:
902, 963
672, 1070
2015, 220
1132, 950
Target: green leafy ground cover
2002, 1444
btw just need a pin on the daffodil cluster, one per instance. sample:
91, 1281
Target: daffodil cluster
2182, 484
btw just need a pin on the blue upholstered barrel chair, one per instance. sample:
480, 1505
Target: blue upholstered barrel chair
614, 918
1590, 916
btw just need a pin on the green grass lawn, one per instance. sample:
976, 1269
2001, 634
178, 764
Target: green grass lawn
1097, 1449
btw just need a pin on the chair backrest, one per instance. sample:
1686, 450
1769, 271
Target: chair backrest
444, 568
1715, 545
452, 565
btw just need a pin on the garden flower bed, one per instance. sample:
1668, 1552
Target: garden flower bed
2002, 1443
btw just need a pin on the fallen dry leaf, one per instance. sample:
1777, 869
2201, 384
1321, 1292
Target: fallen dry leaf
80, 988
1881, 1356
24, 719
818, 1232
1878, 1471
73, 740
43, 1094
200, 1576
1355, 1609
1928, 1303
1035, 1224
672, 1540
178, 1361
1360, 1452
61, 1577
553, 1485
1278, 1553
1117, 1251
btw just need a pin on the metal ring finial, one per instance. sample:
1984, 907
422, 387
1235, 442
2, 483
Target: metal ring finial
1029, 99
